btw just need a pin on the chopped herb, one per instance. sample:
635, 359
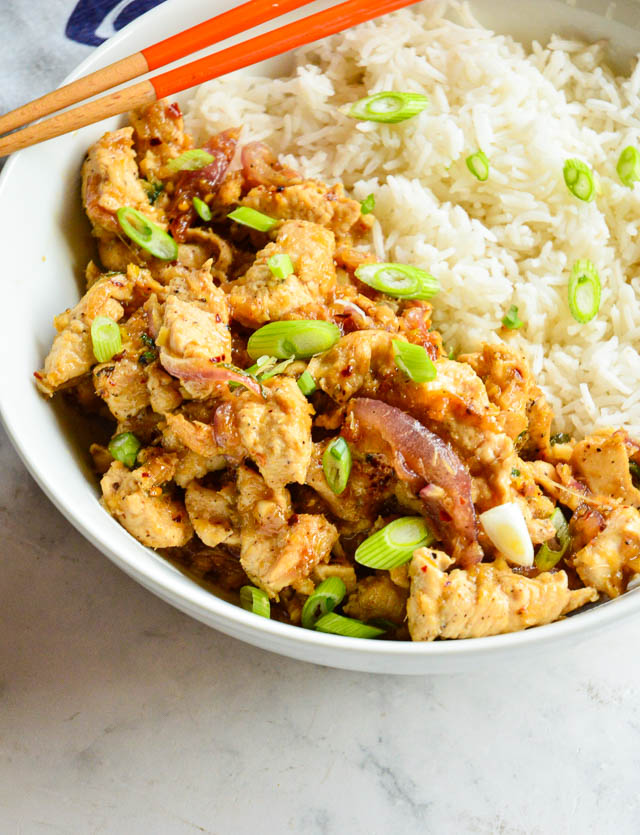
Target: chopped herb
579, 179
560, 438
388, 106
147, 357
515, 473
584, 291
154, 190
634, 469
511, 320
368, 204
149, 341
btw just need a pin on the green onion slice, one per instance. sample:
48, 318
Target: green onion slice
105, 338
394, 544
584, 291
146, 234
125, 448
202, 209
270, 372
306, 383
414, 361
368, 204
547, 557
389, 107
329, 594
478, 164
559, 438
280, 265
634, 469
255, 600
399, 280
336, 463
628, 166
579, 179
253, 219
300, 338
190, 161
349, 627
511, 319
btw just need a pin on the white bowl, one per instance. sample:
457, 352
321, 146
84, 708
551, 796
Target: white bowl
46, 244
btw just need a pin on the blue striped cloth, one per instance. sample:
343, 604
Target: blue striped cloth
44, 39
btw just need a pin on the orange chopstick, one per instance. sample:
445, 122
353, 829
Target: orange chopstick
304, 31
171, 49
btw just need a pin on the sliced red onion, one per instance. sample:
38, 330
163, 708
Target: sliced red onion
428, 464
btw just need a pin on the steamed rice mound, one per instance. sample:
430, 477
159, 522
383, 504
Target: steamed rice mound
510, 240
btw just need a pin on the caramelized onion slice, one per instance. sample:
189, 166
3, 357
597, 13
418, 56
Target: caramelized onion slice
261, 168
428, 464
203, 371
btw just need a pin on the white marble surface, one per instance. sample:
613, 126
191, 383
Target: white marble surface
120, 715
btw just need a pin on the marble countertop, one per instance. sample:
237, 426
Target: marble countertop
119, 714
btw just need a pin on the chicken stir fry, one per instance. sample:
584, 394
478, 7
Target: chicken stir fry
286, 424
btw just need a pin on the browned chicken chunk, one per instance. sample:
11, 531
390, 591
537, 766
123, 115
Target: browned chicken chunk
488, 599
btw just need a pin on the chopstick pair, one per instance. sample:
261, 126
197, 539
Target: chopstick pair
219, 28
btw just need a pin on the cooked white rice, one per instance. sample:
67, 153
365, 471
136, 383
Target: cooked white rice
509, 240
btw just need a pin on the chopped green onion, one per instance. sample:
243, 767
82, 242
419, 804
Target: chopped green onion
399, 280
628, 166
634, 469
190, 161
414, 361
559, 438
515, 473
146, 234
306, 383
368, 204
280, 265
268, 373
300, 338
584, 291
579, 179
253, 219
511, 319
389, 107
149, 341
349, 627
105, 338
125, 448
394, 544
547, 557
329, 594
478, 164
336, 463
451, 354
255, 600
202, 209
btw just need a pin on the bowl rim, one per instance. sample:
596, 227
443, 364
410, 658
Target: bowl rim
186, 595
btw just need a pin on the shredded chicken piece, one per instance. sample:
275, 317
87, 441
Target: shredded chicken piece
71, 354
135, 498
194, 336
371, 482
313, 201
259, 296
278, 549
488, 599
158, 136
274, 432
213, 514
602, 461
607, 561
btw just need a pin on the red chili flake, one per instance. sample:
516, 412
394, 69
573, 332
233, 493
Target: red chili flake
145, 475
423, 568
174, 110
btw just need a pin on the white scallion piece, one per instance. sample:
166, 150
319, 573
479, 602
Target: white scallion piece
506, 528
